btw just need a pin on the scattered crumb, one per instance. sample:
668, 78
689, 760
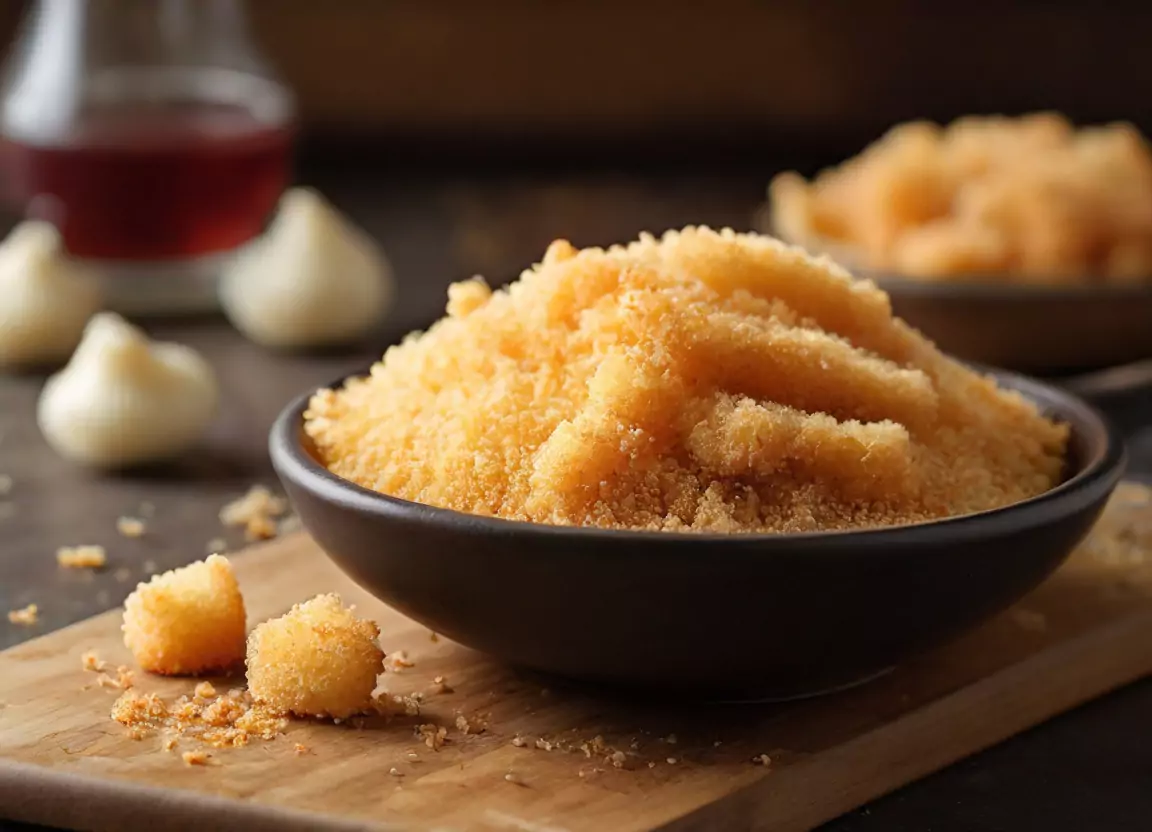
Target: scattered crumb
204, 690
216, 546
170, 743
413, 756
1030, 620
81, 557
442, 685
470, 726
672, 761
433, 735
195, 758
90, 661
399, 661
187, 621
618, 758
299, 749
130, 526
433, 635
408, 705
543, 744
519, 741
514, 778
762, 760
318, 659
226, 721
26, 616
125, 679
651, 764
255, 512
395, 772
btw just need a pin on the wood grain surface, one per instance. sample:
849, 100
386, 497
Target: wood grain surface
1085, 631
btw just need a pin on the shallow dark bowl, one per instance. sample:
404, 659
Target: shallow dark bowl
715, 616
1042, 330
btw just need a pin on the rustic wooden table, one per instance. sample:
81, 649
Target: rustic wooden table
1087, 770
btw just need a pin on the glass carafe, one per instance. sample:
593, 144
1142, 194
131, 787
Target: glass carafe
152, 134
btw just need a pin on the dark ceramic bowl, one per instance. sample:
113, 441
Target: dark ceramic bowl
1042, 330
710, 616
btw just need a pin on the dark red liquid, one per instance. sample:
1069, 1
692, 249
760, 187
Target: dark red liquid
169, 183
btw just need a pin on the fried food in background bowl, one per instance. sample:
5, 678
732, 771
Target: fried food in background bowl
1020, 242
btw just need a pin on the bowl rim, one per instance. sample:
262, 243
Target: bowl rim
1103, 469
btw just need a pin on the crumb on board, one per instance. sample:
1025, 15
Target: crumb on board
514, 778
442, 685
204, 690
395, 772
223, 722
672, 761
25, 616
762, 760
318, 659
81, 557
130, 526
519, 741
195, 758
433, 636
90, 661
618, 759
434, 736
170, 743
413, 756
299, 748
399, 661
187, 621
255, 512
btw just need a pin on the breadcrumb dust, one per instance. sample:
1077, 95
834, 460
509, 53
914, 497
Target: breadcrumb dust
82, 557
195, 758
222, 722
26, 616
255, 512
91, 661
434, 736
797, 401
130, 526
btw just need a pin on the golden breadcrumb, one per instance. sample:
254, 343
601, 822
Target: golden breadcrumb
130, 526
195, 758
707, 381
434, 736
187, 621
1028, 199
91, 661
299, 749
255, 512
81, 557
318, 659
26, 616
228, 721
204, 690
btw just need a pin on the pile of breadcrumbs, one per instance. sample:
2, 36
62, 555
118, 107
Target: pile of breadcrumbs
707, 381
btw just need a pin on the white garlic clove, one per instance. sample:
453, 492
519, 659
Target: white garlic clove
125, 400
313, 280
45, 298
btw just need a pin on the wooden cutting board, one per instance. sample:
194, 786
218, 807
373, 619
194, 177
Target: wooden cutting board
64, 762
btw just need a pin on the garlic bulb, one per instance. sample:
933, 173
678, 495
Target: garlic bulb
124, 400
45, 298
313, 280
